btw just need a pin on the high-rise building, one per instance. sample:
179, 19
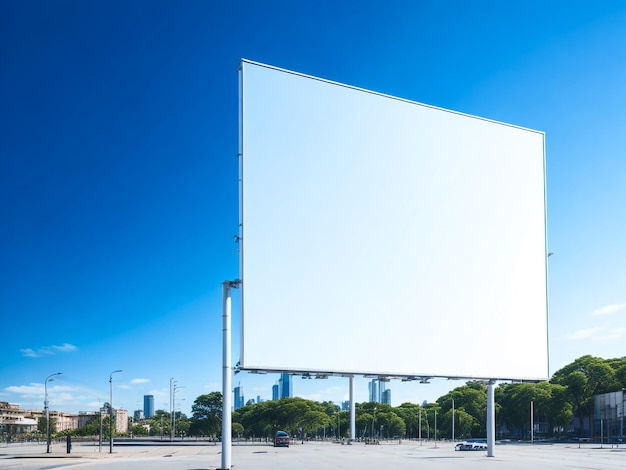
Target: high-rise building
386, 397
148, 406
138, 415
284, 386
275, 392
382, 387
372, 387
345, 405
238, 397
378, 392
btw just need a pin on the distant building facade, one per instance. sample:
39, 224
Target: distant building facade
378, 392
386, 397
275, 392
14, 420
372, 389
239, 400
148, 406
608, 414
285, 389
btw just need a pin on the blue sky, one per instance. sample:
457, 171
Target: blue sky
118, 170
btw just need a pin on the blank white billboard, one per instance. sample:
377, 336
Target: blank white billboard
386, 237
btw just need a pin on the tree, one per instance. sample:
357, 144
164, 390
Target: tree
470, 401
237, 429
409, 413
515, 402
585, 377
206, 416
91, 428
139, 430
183, 424
293, 415
363, 423
160, 423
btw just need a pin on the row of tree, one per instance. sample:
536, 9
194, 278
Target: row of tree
569, 393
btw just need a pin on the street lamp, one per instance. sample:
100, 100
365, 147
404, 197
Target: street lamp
49, 378
176, 387
111, 410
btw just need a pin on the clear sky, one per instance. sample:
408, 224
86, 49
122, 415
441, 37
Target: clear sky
118, 171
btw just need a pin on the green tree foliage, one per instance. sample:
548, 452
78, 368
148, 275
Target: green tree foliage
296, 416
364, 423
410, 414
470, 406
378, 420
91, 428
237, 429
183, 424
41, 425
206, 419
140, 430
160, 423
585, 377
620, 373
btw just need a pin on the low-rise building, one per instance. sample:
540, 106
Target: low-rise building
14, 420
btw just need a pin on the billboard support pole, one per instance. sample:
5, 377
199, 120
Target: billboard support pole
352, 411
226, 373
491, 418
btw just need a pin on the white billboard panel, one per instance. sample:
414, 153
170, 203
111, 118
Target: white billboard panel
383, 236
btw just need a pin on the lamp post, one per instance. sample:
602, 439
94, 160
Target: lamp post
111, 410
435, 428
453, 420
176, 387
100, 440
49, 378
172, 382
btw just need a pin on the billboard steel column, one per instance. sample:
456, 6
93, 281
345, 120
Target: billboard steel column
352, 411
491, 419
226, 373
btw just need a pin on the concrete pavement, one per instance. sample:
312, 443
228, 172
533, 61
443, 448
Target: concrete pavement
312, 455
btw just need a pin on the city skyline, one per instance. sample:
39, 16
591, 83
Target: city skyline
119, 176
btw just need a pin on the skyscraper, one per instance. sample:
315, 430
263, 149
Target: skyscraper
284, 386
382, 388
386, 397
275, 392
378, 392
238, 397
148, 406
372, 387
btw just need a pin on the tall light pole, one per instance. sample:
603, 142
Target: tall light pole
45, 385
172, 385
435, 428
453, 420
176, 387
111, 410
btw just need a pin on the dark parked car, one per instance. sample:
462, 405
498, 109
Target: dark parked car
281, 439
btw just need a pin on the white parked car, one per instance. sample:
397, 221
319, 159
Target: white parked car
471, 445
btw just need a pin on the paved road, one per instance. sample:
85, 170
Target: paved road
313, 456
